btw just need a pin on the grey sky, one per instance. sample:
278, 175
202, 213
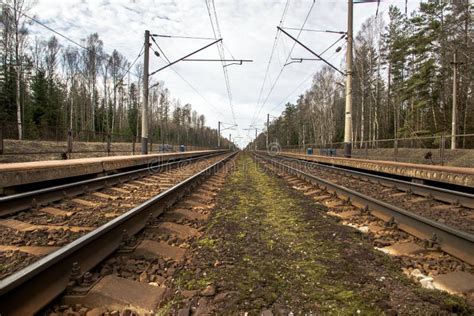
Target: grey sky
248, 28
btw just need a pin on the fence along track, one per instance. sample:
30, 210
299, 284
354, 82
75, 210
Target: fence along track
452, 241
28, 290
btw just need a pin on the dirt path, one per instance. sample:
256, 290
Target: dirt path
270, 249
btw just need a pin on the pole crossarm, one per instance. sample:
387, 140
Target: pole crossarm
232, 61
231, 127
310, 30
225, 60
311, 51
184, 57
154, 85
300, 60
185, 37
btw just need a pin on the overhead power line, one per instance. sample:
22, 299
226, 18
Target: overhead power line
165, 58
282, 68
309, 76
217, 34
275, 41
311, 30
62, 35
183, 37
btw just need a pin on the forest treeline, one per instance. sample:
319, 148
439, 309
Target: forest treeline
402, 82
47, 88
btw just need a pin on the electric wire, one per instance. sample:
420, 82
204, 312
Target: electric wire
267, 70
183, 37
161, 51
142, 51
164, 58
312, 30
275, 41
310, 75
217, 34
61, 35
281, 71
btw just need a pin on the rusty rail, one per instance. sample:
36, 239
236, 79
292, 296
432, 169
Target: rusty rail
18, 202
440, 194
30, 289
455, 242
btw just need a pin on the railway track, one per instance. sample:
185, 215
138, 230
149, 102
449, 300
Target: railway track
103, 218
19, 202
453, 208
341, 184
456, 198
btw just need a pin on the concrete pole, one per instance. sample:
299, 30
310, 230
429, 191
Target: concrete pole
219, 134
304, 141
146, 64
256, 139
348, 114
454, 119
268, 128
230, 141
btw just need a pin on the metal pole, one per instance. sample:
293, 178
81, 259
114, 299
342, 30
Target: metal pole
230, 140
219, 134
145, 93
348, 114
268, 128
454, 119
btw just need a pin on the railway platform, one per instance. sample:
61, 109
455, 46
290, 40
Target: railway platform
417, 172
24, 173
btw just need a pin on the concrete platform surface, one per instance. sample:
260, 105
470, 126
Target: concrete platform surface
14, 174
453, 175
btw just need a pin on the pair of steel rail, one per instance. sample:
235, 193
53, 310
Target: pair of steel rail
455, 242
30, 289
440, 194
19, 202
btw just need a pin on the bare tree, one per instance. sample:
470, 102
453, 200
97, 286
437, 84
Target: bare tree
16, 33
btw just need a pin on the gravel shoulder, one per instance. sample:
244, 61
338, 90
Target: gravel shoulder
268, 248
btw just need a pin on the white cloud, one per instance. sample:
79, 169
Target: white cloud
248, 28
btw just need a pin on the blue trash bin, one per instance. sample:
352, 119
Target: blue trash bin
310, 151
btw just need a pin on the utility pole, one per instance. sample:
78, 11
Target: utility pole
146, 66
348, 112
268, 127
230, 141
256, 138
455, 97
219, 134
304, 144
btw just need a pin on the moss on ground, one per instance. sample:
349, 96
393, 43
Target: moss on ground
277, 249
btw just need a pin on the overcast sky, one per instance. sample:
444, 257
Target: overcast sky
248, 28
